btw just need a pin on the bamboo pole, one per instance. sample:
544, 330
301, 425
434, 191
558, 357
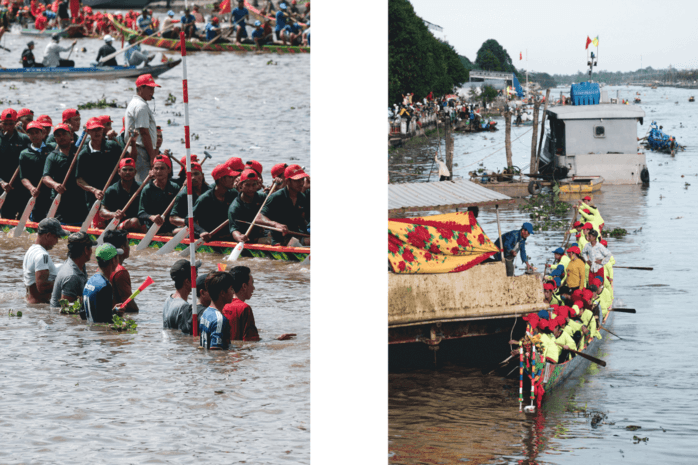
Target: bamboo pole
534, 139
449, 151
507, 139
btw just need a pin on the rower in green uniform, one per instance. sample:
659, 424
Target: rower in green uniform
287, 207
71, 117
211, 208
117, 196
157, 195
180, 211
31, 168
96, 162
12, 143
47, 124
245, 208
72, 209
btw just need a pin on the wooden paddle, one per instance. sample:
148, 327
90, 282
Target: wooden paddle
57, 199
567, 234
12, 181
623, 310
275, 229
145, 242
116, 54
98, 203
241, 245
199, 241
646, 268
606, 329
598, 361
115, 221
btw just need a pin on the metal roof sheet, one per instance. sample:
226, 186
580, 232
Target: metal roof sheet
441, 195
609, 111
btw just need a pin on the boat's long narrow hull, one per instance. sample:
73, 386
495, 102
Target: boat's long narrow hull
251, 250
100, 72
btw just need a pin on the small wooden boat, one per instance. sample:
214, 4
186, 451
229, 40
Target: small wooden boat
275, 252
196, 45
99, 72
581, 184
637, 100
691, 99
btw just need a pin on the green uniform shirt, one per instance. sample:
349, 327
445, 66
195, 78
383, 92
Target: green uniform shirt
243, 211
551, 350
116, 198
31, 167
154, 201
10, 148
72, 208
210, 212
280, 208
181, 209
95, 166
566, 340
572, 327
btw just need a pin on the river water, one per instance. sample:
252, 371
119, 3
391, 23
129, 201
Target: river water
71, 393
460, 412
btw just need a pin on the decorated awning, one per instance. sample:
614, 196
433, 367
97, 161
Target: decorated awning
437, 244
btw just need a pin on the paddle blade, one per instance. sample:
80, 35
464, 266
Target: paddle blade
93, 211
174, 242
19, 229
2, 198
236, 252
110, 227
54, 207
145, 242
148, 281
623, 310
185, 253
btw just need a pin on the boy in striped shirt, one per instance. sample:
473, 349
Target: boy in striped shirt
214, 328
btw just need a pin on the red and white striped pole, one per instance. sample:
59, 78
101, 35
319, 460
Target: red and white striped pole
190, 207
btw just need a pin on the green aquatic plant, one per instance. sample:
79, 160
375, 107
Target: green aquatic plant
101, 103
123, 324
543, 210
70, 308
617, 232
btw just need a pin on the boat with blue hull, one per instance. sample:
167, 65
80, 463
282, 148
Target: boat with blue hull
99, 72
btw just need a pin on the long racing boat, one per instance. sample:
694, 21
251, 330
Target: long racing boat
98, 72
196, 45
275, 252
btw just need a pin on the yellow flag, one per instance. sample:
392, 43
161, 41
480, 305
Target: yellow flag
595, 41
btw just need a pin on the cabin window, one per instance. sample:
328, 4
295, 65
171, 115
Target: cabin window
599, 131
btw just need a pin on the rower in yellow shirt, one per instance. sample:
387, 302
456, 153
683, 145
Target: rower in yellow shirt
591, 214
608, 270
575, 269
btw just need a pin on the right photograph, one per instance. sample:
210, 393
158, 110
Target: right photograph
540, 201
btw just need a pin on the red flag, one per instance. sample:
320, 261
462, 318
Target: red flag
588, 42
520, 56
225, 7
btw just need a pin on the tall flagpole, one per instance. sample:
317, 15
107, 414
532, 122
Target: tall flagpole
190, 207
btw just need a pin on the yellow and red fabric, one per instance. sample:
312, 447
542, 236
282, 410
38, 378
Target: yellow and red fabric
437, 244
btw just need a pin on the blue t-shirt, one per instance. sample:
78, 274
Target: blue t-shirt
214, 330
238, 14
280, 21
144, 23
293, 28
211, 31
188, 19
258, 33
97, 298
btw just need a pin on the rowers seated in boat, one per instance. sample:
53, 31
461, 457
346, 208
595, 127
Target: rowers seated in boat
260, 35
591, 214
289, 207
211, 209
178, 218
117, 196
157, 196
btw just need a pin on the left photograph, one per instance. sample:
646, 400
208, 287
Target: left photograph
155, 229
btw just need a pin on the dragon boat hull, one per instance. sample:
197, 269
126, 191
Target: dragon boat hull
99, 72
195, 45
275, 252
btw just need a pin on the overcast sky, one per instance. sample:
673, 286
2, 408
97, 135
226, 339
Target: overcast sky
554, 32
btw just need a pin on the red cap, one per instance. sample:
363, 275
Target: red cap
146, 80
596, 282
587, 295
222, 170
24, 112
604, 242
295, 172
35, 125
94, 123
163, 159
574, 249
549, 287
587, 226
69, 113
9, 114
248, 174
214, 20
127, 162
278, 170
193, 159
562, 311
235, 164
45, 120
255, 165
104, 119
586, 210
577, 224
587, 198
63, 127
577, 295
196, 167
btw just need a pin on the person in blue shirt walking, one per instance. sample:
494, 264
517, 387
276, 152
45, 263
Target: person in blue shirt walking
214, 327
240, 15
98, 294
281, 16
514, 242
188, 22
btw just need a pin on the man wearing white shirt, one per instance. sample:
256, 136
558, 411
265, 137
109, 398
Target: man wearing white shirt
38, 268
52, 54
139, 118
596, 255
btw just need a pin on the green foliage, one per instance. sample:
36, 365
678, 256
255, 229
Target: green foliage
543, 212
171, 99
617, 233
488, 61
68, 308
418, 62
101, 103
123, 324
466, 63
12, 313
544, 79
491, 48
489, 93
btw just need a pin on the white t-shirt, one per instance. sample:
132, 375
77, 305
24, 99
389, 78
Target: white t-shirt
139, 115
37, 259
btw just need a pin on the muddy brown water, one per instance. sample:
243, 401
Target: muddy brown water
71, 393
456, 412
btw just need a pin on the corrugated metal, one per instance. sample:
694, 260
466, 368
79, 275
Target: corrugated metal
441, 195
